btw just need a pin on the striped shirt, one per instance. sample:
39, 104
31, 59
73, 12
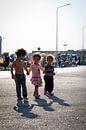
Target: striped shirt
49, 71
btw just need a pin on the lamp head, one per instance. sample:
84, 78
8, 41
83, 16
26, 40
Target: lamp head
68, 4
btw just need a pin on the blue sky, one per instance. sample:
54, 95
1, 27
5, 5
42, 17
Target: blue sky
32, 23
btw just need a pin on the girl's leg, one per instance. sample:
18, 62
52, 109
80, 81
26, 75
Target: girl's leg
36, 94
36, 90
51, 85
46, 85
50, 90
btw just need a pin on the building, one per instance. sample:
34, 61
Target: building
81, 54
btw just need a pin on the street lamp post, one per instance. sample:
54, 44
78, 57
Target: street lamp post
83, 29
57, 26
0, 45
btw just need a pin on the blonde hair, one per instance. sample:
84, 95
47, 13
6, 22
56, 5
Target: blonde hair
50, 56
37, 55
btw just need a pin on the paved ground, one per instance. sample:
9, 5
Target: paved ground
66, 110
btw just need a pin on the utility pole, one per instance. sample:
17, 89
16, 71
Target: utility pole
0, 45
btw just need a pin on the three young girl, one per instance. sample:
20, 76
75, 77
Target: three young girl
36, 79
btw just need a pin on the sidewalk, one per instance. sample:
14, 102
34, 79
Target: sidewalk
66, 110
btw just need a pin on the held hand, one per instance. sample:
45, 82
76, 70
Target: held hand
54, 73
43, 71
27, 73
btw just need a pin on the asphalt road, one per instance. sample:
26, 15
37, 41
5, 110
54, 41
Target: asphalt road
66, 110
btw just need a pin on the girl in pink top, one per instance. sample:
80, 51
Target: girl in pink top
36, 77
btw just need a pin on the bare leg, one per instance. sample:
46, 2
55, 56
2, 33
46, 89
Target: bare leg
36, 94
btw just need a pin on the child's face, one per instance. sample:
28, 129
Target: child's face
21, 57
36, 59
49, 60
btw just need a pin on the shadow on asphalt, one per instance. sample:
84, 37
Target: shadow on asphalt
58, 100
25, 109
43, 103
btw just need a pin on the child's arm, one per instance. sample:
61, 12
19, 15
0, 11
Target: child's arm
42, 69
12, 74
28, 69
25, 67
54, 71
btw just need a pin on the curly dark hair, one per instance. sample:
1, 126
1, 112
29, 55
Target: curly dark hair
20, 52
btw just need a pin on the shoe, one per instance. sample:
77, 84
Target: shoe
25, 99
19, 100
46, 93
37, 96
51, 94
26, 103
